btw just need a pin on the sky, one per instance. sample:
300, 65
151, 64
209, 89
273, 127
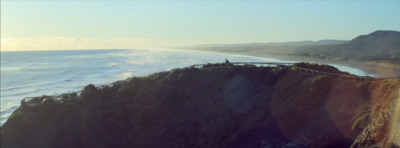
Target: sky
127, 24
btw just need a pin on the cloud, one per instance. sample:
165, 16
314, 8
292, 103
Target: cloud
57, 43
135, 15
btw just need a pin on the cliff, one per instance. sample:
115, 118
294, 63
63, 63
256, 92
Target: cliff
215, 106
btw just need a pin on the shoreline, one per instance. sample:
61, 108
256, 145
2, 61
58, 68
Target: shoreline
380, 70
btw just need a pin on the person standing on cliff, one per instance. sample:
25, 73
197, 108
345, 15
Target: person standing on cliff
227, 63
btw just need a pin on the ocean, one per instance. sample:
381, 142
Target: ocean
37, 73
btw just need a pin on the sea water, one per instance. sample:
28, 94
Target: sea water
37, 73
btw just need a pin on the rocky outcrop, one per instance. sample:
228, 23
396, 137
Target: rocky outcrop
214, 106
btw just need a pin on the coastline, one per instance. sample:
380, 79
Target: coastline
379, 69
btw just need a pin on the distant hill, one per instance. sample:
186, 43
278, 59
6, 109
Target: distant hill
378, 37
321, 42
376, 46
378, 41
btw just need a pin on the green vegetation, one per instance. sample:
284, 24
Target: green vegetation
318, 78
16, 113
360, 121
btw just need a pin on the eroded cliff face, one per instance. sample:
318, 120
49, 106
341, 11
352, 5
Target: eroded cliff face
215, 106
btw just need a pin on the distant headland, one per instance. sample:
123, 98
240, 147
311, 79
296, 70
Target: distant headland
377, 52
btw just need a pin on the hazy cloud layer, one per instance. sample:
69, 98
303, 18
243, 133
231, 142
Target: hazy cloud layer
54, 43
